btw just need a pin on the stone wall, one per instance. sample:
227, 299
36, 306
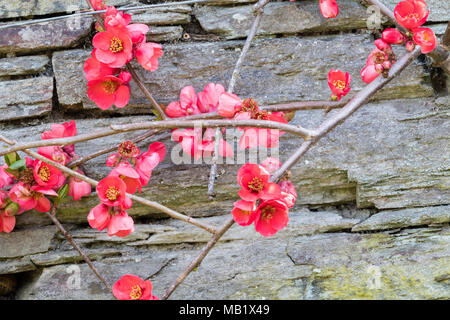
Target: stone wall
372, 217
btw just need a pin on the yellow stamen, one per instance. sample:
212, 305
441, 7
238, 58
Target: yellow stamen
339, 84
116, 45
44, 173
112, 193
136, 292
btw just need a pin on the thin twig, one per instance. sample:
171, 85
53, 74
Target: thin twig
166, 124
196, 262
259, 11
149, 203
52, 215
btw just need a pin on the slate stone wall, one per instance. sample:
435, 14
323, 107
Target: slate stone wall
372, 217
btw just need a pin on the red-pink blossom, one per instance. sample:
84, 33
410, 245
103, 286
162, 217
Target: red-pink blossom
229, 104
393, 36
137, 32
425, 38
369, 73
6, 179
99, 217
54, 153
46, 175
94, 69
288, 193
112, 192
113, 160
411, 13
383, 45
190, 141
329, 8
271, 164
271, 217
29, 198
7, 223
208, 99
98, 4
147, 54
78, 188
339, 83
148, 161
114, 47
186, 106
410, 46
131, 287
126, 172
63, 130
120, 225
255, 184
107, 91
244, 212
115, 18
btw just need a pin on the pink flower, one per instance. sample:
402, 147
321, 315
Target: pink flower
46, 175
78, 188
31, 198
411, 13
128, 150
112, 192
255, 184
208, 99
114, 47
131, 287
7, 223
54, 153
425, 38
207, 145
328, 8
186, 106
113, 160
271, 164
99, 217
288, 193
229, 104
120, 225
339, 83
115, 18
137, 32
393, 36
63, 130
271, 217
98, 4
383, 45
244, 212
190, 141
5, 178
147, 54
95, 69
126, 172
107, 91
410, 46
148, 161
369, 73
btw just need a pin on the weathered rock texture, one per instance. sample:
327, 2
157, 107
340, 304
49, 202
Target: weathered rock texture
371, 220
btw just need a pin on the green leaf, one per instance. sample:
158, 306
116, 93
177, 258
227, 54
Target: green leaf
62, 193
11, 158
18, 165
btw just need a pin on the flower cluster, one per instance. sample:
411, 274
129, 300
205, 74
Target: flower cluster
410, 14
114, 46
131, 287
32, 183
328, 8
263, 203
195, 141
131, 171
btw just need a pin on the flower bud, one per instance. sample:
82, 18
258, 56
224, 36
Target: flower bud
386, 65
11, 209
113, 160
410, 46
393, 36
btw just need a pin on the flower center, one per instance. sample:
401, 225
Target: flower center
249, 105
112, 193
268, 212
44, 173
413, 16
256, 184
136, 292
26, 176
109, 86
260, 115
379, 57
128, 149
339, 84
116, 45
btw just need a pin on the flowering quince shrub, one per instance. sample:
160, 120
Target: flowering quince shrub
410, 14
115, 45
27, 184
34, 184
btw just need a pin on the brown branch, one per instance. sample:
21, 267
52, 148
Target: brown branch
196, 262
354, 104
259, 11
52, 215
166, 124
152, 204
